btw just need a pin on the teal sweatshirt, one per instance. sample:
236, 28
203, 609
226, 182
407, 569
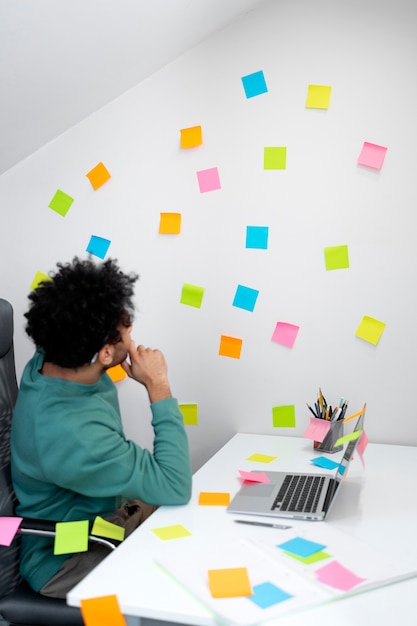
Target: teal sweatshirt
71, 460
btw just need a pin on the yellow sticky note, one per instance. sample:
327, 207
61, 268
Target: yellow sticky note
261, 458
98, 175
214, 498
230, 346
170, 224
39, 278
336, 257
71, 537
318, 97
102, 611
191, 137
370, 329
189, 413
116, 373
229, 583
104, 528
176, 531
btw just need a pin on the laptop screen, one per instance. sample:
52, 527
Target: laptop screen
350, 448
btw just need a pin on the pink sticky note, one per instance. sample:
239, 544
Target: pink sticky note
254, 477
361, 447
285, 334
317, 429
372, 155
336, 575
208, 180
8, 529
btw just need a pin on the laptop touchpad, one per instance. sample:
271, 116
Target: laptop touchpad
262, 491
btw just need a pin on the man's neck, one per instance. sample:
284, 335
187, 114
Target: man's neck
86, 374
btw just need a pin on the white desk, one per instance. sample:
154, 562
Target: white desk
360, 510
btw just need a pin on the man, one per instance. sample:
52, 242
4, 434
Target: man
70, 458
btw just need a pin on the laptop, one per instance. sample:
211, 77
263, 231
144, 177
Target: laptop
296, 495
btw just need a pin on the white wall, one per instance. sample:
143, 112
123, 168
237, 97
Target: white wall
366, 51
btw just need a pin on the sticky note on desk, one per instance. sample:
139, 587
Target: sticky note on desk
322, 461
102, 611
213, 498
71, 537
336, 575
229, 583
301, 547
176, 531
254, 477
261, 458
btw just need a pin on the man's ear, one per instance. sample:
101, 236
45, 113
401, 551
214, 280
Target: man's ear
105, 355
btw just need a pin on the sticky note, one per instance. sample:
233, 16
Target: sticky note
98, 175
170, 223
257, 237
318, 97
283, 416
116, 373
61, 202
104, 528
102, 611
214, 498
189, 413
317, 429
275, 158
346, 438
231, 582
323, 461
337, 576
336, 257
191, 137
208, 180
372, 155
8, 529
39, 278
370, 330
261, 458
285, 334
301, 547
267, 594
176, 531
192, 295
98, 246
230, 346
254, 84
362, 445
254, 477
309, 560
245, 298
71, 537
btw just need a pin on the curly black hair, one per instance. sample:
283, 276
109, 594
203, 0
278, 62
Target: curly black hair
80, 309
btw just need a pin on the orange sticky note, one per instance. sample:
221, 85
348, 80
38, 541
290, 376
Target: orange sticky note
229, 583
98, 175
102, 611
191, 137
230, 346
170, 224
214, 498
116, 373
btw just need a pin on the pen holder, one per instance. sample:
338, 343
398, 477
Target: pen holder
333, 434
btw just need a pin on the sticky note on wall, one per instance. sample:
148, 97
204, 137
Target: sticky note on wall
254, 84
275, 158
283, 416
318, 97
61, 202
230, 346
189, 413
170, 223
191, 137
98, 175
370, 329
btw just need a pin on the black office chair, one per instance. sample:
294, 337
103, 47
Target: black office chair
19, 604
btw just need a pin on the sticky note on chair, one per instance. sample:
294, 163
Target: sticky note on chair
214, 498
98, 175
104, 528
8, 529
231, 582
372, 155
71, 537
102, 611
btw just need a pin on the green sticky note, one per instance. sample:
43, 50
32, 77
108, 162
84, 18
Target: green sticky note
61, 202
283, 416
175, 531
104, 528
189, 413
39, 278
336, 257
318, 97
309, 560
261, 458
192, 295
370, 329
275, 158
346, 438
71, 537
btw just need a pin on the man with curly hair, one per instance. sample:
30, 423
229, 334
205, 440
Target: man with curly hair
70, 457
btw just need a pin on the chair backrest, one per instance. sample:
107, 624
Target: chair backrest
9, 556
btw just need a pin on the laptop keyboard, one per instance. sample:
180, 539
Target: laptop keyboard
299, 493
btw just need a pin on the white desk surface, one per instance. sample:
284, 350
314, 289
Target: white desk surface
360, 510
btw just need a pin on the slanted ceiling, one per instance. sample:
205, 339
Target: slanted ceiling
62, 60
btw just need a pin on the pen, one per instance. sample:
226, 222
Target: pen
244, 521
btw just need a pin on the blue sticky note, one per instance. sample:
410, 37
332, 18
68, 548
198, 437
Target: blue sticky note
245, 298
267, 594
322, 461
257, 237
98, 246
301, 547
254, 84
